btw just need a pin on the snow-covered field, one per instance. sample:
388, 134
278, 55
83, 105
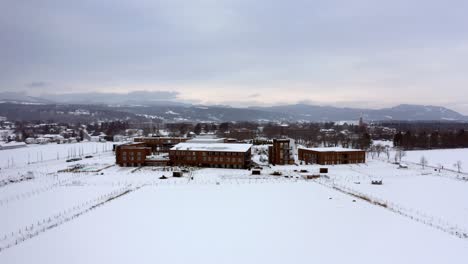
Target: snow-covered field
435, 195
37, 153
103, 213
437, 157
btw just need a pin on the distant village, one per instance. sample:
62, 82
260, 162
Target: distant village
21, 133
206, 144
228, 144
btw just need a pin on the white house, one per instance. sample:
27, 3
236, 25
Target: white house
12, 145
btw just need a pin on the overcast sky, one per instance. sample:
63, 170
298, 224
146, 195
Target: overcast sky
365, 53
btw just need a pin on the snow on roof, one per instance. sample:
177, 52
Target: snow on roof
331, 149
206, 140
158, 137
12, 144
227, 147
206, 135
157, 158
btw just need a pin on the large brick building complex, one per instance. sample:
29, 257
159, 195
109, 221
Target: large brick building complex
183, 152
335, 155
215, 155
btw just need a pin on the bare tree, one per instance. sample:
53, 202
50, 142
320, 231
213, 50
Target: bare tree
423, 162
387, 152
372, 152
379, 148
458, 165
399, 154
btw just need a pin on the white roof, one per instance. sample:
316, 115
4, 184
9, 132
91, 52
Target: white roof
12, 144
159, 158
206, 140
331, 149
226, 147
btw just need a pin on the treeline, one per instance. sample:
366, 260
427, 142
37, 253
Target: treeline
421, 126
308, 134
321, 134
109, 128
435, 140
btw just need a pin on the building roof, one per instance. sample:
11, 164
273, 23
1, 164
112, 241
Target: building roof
332, 149
157, 158
226, 147
282, 139
206, 140
164, 137
12, 144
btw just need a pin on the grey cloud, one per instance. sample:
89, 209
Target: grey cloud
335, 46
37, 84
113, 98
254, 95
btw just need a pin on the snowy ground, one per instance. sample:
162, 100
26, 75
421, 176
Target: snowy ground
108, 214
439, 196
437, 157
37, 153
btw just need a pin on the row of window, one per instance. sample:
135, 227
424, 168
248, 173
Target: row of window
131, 158
228, 166
342, 162
209, 159
131, 153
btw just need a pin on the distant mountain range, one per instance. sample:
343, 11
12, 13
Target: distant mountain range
132, 98
162, 106
400, 112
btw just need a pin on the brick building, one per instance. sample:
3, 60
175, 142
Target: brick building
281, 152
215, 155
132, 154
160, 144
335, 155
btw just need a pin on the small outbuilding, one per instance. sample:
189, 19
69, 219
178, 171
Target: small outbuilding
256, 172
177, 174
